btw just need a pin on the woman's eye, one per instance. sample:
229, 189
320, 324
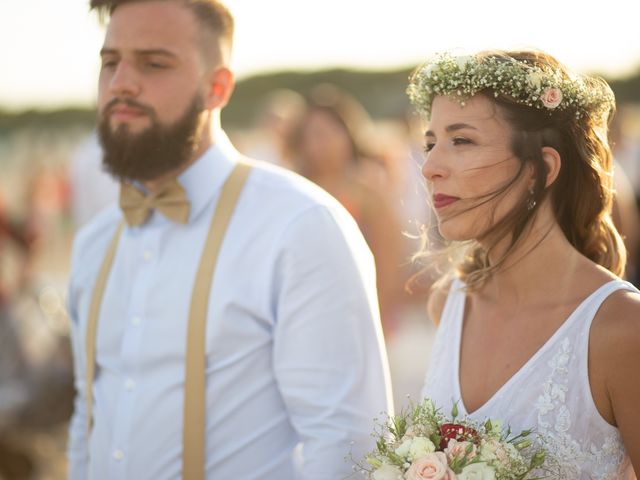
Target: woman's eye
428, 147
461, 141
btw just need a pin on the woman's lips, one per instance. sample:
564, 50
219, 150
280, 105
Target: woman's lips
440, 200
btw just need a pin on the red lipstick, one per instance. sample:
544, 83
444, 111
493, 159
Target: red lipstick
441, 200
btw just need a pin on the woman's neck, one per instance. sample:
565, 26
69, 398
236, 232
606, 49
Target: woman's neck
542, 263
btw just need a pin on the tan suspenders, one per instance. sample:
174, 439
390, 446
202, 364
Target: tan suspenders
193, 452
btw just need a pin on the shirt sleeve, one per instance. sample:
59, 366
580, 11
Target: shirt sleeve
78, 448
329, 355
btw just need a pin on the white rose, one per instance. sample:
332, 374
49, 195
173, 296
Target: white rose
415, 448
403, 449
420, 447
477, 471
387, 472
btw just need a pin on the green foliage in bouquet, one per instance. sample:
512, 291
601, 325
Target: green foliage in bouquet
421, 443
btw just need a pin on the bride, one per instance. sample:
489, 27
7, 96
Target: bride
535, 325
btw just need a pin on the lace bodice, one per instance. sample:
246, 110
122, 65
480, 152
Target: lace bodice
550, 393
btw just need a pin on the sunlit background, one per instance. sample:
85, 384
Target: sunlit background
48, 70
49, 48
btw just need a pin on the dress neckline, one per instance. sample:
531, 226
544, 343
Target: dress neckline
527, 365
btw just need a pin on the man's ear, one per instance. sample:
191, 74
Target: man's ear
553, 162
220, 86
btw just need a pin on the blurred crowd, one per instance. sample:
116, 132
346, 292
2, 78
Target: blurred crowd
52, 183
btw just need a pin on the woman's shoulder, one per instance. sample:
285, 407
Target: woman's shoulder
615, 331
614, 356
620, 314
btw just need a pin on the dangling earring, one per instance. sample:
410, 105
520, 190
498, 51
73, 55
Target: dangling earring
531, 202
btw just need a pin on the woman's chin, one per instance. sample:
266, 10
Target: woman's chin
453, 233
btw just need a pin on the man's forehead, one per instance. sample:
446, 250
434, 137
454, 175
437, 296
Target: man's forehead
153, 24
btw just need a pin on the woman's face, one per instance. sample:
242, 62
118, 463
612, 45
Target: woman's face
325, 144
469, 160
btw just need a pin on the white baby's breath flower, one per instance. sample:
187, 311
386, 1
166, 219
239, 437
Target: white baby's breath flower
428, 70
461, 77
463, 60
496, 425
488, 449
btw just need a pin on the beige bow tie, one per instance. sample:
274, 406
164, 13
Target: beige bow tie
171, 201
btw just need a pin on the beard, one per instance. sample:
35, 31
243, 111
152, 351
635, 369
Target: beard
154, 152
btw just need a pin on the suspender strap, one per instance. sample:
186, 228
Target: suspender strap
92, 321
193, 453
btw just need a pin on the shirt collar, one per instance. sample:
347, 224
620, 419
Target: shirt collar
205, 177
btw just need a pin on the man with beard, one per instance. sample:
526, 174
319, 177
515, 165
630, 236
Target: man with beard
225, 314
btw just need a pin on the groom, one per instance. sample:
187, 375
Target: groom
225, 314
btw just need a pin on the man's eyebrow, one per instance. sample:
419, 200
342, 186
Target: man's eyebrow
143, 52
451, 128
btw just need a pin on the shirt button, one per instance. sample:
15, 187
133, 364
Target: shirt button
129, 384
118, 455
135, 321
147, 255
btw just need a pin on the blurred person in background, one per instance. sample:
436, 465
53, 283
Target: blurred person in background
92, 189
333, 146
277, 117
15, 237
224, 319
626, 211
36, 387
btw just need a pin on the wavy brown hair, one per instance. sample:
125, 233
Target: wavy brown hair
581, 197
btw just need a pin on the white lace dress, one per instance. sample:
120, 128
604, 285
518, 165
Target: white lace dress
550, 392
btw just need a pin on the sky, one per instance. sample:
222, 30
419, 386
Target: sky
49, 48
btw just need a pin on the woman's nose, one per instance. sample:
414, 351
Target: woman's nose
433, 166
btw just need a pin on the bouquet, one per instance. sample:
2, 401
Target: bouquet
422, 444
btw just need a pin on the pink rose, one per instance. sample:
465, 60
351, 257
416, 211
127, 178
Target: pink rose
431, 467
460, 450
551, 97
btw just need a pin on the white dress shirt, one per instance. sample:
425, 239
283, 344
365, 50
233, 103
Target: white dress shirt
295, 354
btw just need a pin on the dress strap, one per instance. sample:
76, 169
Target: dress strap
454, 305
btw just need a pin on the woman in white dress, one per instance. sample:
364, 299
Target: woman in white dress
535, 325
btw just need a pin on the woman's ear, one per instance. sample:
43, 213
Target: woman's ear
553, 162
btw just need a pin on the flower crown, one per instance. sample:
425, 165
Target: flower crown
461, 77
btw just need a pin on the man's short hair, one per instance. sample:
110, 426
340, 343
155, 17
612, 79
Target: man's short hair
213, 15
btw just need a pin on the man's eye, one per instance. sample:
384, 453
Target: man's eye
156, 65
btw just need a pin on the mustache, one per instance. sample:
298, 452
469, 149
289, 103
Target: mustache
129, 103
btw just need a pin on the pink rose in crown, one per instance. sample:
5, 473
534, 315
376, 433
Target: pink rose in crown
551, 97
432, 466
